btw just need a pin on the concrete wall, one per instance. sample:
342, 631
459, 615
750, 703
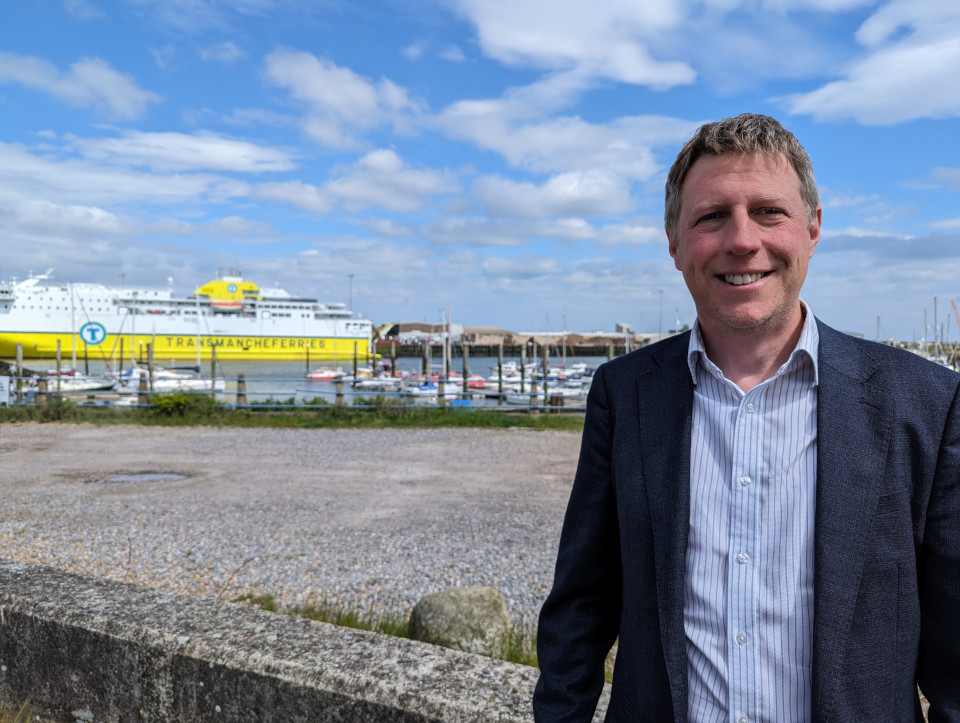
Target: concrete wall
85, 649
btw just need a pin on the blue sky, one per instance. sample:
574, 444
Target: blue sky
505, 159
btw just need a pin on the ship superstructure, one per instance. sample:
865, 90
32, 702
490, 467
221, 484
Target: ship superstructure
237, 318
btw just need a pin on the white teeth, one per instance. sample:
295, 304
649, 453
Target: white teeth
741, 279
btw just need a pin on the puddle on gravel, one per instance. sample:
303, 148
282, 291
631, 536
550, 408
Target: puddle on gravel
143, 477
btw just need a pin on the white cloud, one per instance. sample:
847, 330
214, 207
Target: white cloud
847, 200
859, 232
527, 266
415, 50
378, 179
947, 223
342, 104
475, 231
624, 145
452, 52
226, 53
946, 176
633, 234
388, 227
238, 227
83, 9
90, 83
66, 220
605, 40
163, 56
909, 70
917, 17
180, 151
78, 182
583, 193
296, 193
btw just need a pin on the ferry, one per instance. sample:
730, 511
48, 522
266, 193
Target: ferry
229, 317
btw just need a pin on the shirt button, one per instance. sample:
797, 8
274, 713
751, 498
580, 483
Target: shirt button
744, 480
741, 638
743, 719
750, 408
742, 558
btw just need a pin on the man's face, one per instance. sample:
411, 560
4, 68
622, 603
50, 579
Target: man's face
743, 242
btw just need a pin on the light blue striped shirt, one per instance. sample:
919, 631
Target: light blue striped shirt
748, 596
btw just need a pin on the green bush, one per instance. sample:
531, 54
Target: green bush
183, 405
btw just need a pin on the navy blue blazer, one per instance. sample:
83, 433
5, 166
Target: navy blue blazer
887, 541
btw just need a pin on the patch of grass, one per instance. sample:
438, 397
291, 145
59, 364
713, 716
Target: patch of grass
521, 647
521, 644
264, 601
21, 716
382, 413
346, 618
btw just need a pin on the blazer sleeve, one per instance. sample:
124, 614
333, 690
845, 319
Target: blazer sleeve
581, 616
938, 665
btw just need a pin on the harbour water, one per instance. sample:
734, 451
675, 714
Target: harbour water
281, 382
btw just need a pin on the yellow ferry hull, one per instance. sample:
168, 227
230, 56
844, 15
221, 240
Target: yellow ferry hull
43, 345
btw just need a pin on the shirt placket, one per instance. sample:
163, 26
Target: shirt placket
742, 578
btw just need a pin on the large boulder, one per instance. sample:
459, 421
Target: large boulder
471, 619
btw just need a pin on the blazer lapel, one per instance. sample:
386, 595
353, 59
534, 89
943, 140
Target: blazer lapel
665, 394
853, 432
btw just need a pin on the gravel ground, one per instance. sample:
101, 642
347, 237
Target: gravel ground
369, 519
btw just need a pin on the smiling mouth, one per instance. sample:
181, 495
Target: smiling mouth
742, 279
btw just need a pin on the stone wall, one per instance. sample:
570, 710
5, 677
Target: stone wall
86, 649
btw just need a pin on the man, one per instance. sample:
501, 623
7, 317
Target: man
766, 512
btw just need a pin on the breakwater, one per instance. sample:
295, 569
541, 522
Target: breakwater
77, 648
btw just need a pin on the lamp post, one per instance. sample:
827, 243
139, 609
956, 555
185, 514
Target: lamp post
660, 323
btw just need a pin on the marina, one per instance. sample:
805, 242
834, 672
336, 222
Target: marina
267, 384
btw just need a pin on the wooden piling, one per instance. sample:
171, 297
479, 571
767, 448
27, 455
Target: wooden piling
19, 373
42, 389
59, 364
150, 365
546, 369
242, 390
143, 393
500, 372
523, 367
213, 365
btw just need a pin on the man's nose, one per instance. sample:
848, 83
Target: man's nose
741, 235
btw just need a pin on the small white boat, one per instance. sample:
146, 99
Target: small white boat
378, 384
429, 391
326, 374
166, 381
78, 383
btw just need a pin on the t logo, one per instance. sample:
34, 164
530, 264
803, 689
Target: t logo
93, 333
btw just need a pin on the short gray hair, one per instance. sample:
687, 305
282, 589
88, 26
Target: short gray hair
745, 134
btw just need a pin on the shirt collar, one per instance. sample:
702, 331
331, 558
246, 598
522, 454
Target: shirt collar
808, 344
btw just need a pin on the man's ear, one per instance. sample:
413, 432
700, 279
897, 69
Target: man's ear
672, 248
814, 230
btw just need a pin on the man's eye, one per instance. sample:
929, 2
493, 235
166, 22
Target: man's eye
770, 211
709, 217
